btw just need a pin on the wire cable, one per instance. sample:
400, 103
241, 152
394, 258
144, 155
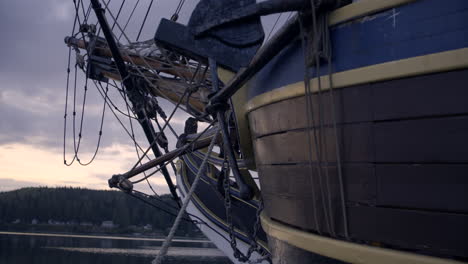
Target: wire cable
144, 20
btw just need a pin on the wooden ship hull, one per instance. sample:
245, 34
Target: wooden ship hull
379, 175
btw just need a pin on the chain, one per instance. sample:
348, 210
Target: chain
227, 206
254, 246
253, 243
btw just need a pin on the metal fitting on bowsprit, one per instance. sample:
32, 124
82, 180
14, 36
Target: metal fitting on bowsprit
215, 107
120, 182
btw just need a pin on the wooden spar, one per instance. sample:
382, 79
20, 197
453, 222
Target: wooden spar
131, 88
168, 89
161, 66
159, 161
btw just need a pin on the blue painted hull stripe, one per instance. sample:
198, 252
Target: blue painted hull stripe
420, 28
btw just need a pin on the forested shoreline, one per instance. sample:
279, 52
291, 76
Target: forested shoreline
66, 209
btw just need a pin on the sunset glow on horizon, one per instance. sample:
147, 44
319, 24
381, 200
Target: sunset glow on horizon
28, 166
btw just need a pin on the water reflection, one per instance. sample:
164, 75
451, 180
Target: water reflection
16, 249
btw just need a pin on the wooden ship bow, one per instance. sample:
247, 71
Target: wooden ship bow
357, 128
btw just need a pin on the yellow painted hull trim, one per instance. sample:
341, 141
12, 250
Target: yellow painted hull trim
432, 63
342, 250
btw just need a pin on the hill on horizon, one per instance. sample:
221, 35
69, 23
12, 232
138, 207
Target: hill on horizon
76, 206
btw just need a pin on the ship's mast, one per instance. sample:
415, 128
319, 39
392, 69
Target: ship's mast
129, 84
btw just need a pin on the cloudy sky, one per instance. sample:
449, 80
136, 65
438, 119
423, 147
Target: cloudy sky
32, 97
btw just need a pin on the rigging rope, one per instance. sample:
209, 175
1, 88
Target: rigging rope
321, 39
166, 123
175, 16
176, 107
198, 221
99, 134
327, 44
322, 135
118, 14
108, 102
116, 116
274, 26
139, 55
144, 20
118, 109
76, 145
123, 94
99, 30
166, 149
66, 100
129, 18
310, 125
167, 242
179, 152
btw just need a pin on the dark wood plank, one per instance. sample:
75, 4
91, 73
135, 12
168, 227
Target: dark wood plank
427, 140
427, 231
440, 233
301, 181
299, 213
296, 194
292, 147
352, 105
439, 94
438, 187
435, 140
434, 187
428, 95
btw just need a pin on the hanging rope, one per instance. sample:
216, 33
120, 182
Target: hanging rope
80, 63
310, 127
118, 14
115, 115
67, 87
137, 53
274, 26
98, 144
167, 243
328, 48
144, 20
320, 48
322, 136
128, 20
175, 16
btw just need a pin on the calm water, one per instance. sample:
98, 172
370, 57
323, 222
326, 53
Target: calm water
29, 249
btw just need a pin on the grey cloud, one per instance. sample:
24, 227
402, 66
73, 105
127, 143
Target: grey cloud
33, 65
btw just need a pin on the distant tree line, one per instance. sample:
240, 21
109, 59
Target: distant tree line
79, 206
